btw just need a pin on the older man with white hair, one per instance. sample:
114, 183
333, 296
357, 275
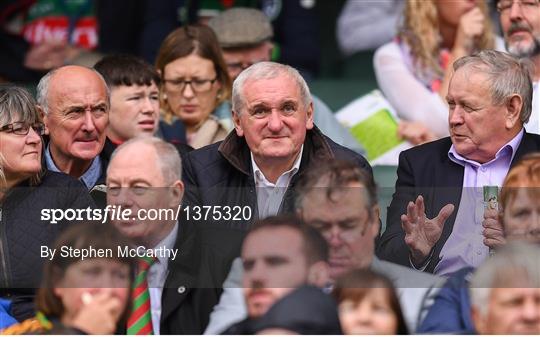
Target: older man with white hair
505, 292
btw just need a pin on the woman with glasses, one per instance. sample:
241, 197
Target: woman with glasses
25, 190
414, 70
195, 83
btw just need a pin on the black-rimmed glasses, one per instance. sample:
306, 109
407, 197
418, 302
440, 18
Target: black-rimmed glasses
197, 85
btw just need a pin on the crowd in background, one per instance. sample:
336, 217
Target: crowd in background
204, 108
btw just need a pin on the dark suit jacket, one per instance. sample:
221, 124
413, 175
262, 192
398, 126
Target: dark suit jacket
427, 170
217, 175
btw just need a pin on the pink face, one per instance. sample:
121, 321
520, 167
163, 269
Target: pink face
274, 120
78, 114
21, 155
274, 264
510, 311
135, 182
521, 27
476, 125
346, 226
86, 279
134, 111
191, 106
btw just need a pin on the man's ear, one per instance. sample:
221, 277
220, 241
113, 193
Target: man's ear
319, 274
309, 120
478, 321
177, 193
237, 125
375, 220
43, 117
513, 110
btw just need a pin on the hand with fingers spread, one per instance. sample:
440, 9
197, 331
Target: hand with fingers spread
421, 233
493, 231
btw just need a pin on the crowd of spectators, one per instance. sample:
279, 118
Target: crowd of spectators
174, 173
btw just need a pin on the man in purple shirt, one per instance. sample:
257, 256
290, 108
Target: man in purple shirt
435, 219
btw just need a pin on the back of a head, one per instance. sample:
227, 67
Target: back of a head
305, 311
126, 70
241, 27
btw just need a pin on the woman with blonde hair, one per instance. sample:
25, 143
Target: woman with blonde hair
414, 70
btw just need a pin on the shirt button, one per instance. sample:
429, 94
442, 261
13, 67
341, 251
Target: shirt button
483, 169
181, 290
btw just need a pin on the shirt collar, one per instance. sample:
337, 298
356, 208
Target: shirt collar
168, 243
508, 148
259, 175
89, 178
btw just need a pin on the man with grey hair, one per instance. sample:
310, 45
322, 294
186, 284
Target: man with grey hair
520, 23
74, 102
256, 167
505, 292
245, 36
435, 218
144, 177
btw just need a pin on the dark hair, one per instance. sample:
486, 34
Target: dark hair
199, 40
80, 236
315, 246
127, 70
356, 284
332, 176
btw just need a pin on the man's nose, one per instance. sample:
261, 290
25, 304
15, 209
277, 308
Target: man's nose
148, 106
275, 124
516, 12
455, 117
88, 122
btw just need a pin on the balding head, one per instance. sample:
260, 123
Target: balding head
74, 101
71, 71
144, 177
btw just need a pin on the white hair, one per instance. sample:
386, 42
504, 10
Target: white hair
264, 71
515, 265
168, 157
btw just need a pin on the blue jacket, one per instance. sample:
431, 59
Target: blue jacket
451, 311
5, 319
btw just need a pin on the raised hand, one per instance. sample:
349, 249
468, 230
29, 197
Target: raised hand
99, 313
421, 233
493, 231
471, 27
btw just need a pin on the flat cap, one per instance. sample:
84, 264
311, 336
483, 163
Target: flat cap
241, 27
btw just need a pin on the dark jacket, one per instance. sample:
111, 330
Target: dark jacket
221, 175
428, 171
22, 233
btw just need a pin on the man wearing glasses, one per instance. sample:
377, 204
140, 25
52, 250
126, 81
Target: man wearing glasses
339, 200
520, 22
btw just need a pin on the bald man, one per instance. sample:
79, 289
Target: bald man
74, 102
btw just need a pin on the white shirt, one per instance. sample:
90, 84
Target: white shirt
157, 274
270, 195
